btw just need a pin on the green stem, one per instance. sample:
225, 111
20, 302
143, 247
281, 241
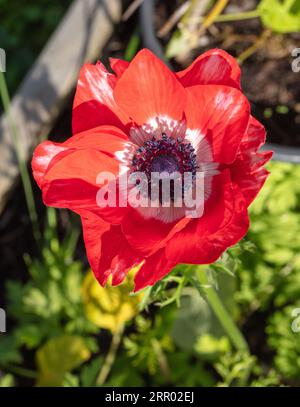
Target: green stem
224, 18
111, 356
246, 15
22, 164
205, 288
162, 360
132, 46
21, 371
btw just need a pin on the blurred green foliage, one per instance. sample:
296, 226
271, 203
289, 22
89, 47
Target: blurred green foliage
269, 277
274, 279
285, 342
24, 29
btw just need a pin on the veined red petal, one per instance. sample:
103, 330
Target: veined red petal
119, 66
108, 251
107, 139
254, 137
96, 137
221, 114
149, 235
206, 238
214, 67
148, 89
42, 156
248, 171
143, 233
94, 103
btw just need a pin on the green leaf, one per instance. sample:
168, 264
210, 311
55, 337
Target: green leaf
59, 356
36, 300
187, 371
285, 341
7, 381
8, 350
124, 374
233, 366
281, 16
194, 318
210, 347
70, 380
29, 335
90, 372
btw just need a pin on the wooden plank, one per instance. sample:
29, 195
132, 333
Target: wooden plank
80, 37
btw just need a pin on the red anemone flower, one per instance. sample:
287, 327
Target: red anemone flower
145, 117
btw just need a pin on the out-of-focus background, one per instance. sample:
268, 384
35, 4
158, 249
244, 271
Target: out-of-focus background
58, 326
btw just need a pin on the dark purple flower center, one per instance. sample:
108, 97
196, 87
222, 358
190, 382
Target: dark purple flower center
164, 163
165, 155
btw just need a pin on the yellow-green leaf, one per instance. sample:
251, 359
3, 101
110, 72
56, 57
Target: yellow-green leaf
58, 356
109, 307
280, 15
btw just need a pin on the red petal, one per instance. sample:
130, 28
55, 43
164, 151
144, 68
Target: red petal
148, 88
97, 137
254, 137
248, 170
106, 139
70, 181
42, 156
94, 102
153, 270
119, 66
143, 233
224, 222
214, 67
221, 114
149, 235
108, 251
